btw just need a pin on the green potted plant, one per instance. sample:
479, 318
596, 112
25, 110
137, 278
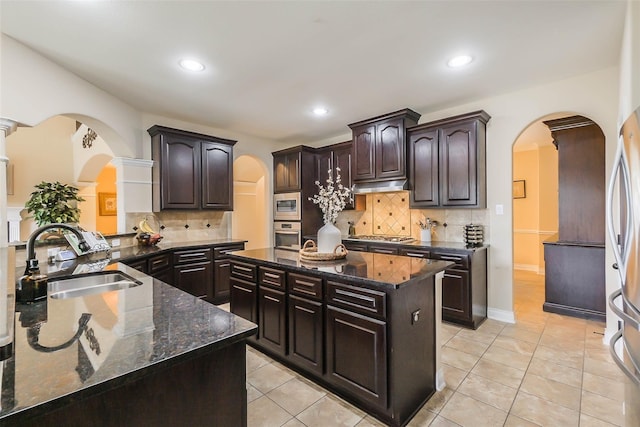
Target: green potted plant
51, 203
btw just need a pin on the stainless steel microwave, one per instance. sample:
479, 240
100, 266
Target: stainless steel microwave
287, 207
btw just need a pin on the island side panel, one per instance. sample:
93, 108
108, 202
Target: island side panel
209, 390
412, 347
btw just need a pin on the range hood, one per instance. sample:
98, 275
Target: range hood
380, 186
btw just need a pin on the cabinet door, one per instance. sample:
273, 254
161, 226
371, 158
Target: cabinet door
217, 176
305, 333
221, 287
324, 162
364, 152
165, 276
455, 295
390, 149
423, 168
286, 172
272, 320
244, 299
357, 355
342, 160
458, 165
180, 173
194, 278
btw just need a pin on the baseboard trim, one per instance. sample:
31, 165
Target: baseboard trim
501, 315
582, 313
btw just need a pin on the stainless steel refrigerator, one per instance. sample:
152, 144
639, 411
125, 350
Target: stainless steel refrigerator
625, 344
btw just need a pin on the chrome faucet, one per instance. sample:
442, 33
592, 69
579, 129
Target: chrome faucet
33, 285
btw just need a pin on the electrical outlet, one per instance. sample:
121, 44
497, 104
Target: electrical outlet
499, 210
115, 255
415, 316
115, 243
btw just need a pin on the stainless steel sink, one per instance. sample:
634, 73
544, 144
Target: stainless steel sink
89, 284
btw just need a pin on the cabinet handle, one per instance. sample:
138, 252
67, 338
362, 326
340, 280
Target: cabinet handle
452, 276
271, 275
198, 254
224, 265
190, 270
270, 298
304, 283
417, 255
241, 268
450, 258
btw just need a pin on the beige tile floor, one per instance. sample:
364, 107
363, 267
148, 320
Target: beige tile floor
544, 370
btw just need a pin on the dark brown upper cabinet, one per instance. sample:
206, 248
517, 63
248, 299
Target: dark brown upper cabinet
191, 170
379, 151
447, 162
294, 169
333, 157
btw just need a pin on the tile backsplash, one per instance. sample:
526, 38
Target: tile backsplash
186, 225
389, 213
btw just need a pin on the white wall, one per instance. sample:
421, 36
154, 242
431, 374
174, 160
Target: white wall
35, 89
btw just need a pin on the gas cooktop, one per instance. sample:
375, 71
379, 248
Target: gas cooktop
382, 238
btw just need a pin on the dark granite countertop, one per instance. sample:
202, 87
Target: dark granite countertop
365, 268
435, 244
129, 333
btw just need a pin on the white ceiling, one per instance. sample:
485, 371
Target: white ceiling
269, 63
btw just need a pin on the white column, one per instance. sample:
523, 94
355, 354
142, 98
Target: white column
6, 128
14, 218
133, 184
87, 190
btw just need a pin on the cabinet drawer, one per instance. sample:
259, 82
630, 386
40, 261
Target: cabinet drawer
307, 286
415, 253
192, 255
351, 246
361, 300
221, 251
244, 271
271, 277
159, 262
462, 261
139, 264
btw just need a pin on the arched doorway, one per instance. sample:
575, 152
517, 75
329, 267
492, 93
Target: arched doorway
250, 216
53, 151
549, 198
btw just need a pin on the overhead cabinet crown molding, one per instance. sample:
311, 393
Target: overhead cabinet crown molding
191, 170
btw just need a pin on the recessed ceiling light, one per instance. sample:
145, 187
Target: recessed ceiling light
320, 111
191, 65
459, 61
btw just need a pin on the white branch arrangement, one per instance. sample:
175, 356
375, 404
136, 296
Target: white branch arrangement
333, 198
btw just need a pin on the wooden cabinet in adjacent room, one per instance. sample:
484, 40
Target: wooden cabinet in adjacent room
379, 151
447, 162
191, 170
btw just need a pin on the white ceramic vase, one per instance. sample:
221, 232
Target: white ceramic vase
425, 235
329, 237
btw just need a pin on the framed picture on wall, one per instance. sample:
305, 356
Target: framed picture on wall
519, 189
107, 204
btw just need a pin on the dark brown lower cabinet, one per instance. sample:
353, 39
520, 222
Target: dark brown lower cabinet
194, 278
244, 300
455, 295
272, 319
221, 287
357, 355
305, 334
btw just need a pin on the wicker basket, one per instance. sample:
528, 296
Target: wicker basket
309, 252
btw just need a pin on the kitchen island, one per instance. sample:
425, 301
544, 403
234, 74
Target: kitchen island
365, 327
147, 355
